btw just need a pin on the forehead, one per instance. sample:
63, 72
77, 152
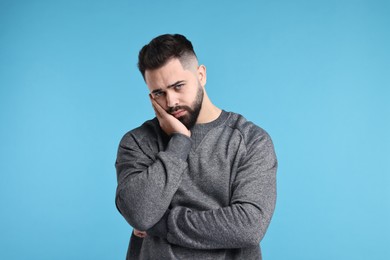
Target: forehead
167, 75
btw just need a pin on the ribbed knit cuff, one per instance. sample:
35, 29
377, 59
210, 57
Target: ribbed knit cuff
179, 145
160, 229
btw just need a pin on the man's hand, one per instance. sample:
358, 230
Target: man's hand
168, 122
140, 234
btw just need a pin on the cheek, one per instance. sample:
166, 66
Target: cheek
192, 97
188, 95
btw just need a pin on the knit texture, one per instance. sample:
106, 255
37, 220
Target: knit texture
210, 196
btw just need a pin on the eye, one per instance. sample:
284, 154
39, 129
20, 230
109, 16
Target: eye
179, 86
158, 94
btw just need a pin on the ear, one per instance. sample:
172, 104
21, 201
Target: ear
202, 75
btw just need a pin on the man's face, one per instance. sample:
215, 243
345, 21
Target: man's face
177, 90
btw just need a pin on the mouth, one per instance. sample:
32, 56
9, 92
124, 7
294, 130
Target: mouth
178, 113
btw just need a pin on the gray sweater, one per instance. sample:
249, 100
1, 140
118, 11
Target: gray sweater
210, 196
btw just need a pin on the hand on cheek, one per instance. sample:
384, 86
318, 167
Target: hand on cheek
168, 123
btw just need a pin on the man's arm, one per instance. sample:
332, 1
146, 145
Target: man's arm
147, 182
145, 185
239, 225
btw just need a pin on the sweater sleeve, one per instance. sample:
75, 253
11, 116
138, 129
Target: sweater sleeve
146, 183
241, 224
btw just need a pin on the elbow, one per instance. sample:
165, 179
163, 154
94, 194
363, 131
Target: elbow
256, 227
248, 235
253, 237
135, 214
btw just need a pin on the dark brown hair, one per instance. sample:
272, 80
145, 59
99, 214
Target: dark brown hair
163, 48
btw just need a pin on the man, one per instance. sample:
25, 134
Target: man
196, 182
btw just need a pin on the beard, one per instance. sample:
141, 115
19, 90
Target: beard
190, 118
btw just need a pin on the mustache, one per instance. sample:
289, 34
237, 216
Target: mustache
174, 109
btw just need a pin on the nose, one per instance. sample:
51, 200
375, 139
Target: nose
171, 99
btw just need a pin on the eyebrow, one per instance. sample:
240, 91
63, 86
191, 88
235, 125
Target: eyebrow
169, 86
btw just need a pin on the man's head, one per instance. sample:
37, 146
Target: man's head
164, 48
175, 80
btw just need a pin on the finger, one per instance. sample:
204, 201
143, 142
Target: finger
139, 233
161, 111
156, 111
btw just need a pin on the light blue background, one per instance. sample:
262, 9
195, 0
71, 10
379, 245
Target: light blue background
314, 74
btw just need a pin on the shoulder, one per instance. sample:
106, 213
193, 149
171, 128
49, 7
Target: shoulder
250, 131
258, 143
148, 130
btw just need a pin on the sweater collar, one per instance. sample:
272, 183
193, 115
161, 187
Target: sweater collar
208, 126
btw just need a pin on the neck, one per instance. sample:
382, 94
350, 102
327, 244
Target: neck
208, 112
